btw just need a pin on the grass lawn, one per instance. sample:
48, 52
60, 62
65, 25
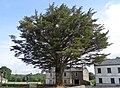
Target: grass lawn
23, 82
31, 84
11, 87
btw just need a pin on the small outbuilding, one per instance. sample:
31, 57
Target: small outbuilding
71, 76
3, 80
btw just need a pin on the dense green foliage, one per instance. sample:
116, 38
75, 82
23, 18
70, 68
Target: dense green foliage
117, 58
61, 37
91, 76
93, 82
5, 72
27, 78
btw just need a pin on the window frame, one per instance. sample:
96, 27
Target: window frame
76, 74
65, 81
99, 70
118, 69
112, 80
100, 80
119, 80
109, 70
64, 74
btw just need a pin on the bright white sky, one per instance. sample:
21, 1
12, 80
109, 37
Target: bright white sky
12, 11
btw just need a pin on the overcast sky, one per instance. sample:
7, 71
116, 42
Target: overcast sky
12, 11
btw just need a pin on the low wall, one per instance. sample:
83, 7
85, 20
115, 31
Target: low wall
108, 84
52, 86
82, 86
16, 85
105, 87
101, 87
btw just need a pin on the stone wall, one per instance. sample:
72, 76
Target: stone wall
101, 87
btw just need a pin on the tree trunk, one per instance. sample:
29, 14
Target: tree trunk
0, 84
0, 80
59, 76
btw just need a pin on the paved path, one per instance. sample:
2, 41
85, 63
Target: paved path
82, 86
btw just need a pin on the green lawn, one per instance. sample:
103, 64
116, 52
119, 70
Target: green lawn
11, 87
24, 83
31, 84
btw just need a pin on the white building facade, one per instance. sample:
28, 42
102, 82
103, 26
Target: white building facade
72, 76
3, 80
108, 73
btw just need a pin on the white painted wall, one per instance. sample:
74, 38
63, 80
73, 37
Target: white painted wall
50, 77
106, 76
86, 75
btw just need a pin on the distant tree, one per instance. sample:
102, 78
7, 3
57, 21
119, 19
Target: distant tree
12, 78
91, 76
27, 78
117, 58
19, 77
62, 37
6, 72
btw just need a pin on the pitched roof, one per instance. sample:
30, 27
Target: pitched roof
73, 69
80, 69
109, 62
3, 79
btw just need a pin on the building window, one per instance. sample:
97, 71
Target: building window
77, 81
50, 82
64, 81
50, 75
119, 70
109, 70
76, 74
100, 80
119, 80
112, 81
99, 70
64, 74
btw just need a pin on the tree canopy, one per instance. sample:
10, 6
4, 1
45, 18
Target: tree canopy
5, 72
62, 37
27, 78
91, 76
